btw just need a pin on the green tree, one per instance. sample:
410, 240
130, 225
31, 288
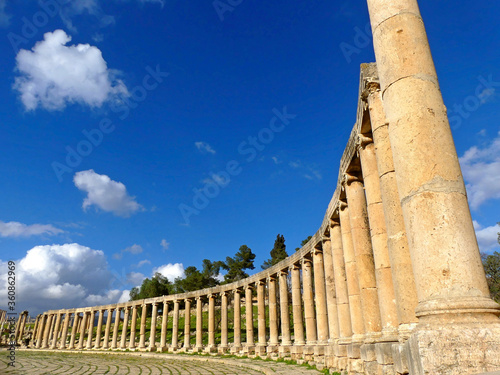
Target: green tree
491, 265
303, 243
278, 253
157, 286
195, 279
235, 266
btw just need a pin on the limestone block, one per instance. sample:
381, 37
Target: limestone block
384, 353
368, 353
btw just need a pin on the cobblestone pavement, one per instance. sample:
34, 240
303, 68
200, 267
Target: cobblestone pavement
36, 362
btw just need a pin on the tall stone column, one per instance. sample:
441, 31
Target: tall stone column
223, 321
83, 328
308, 296
164, 322
175, 326
74, 329
116, 326
142, 331
378, 231
450, 280
249, 315
51, 331
108, 328
35, 327
133, 328
41, 330
187, 323
237, 320
363, 251
357, 325
199, 323
320, 296
298, 324
399, 251
46, 334
341, 293
331, 297
211, 321
56, 331
152, 335
261, 312
64, 334
91, 328
123, 341
98, 333
273, 312
284, 311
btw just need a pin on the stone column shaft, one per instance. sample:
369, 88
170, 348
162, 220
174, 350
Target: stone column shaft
74, 329
331, 297
91, 329
152, 335
187, 323
142, 331
164, 322
320, 296
56, 331
237, 318
223, 324
298, 324
108, 329
284, 311
308, 296
83, 328
261, 312
273, 311
41, 330
46, 334
199, 323
133, 328
123, 341
98, 334
249, 315
211, 320
65, 331
114, 341
175, 325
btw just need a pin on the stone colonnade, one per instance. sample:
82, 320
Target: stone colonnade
391, 283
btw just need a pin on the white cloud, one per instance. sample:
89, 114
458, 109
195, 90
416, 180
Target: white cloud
53, 75
135, 278
4, 17
164, 244
170, 271
108, 195
15, 229
487, 238
134, 249
481, 170
276, 160
60, 276
141, 263
204, 148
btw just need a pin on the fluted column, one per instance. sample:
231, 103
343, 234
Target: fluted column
308, 296
187, 323
284, 311
98, 334
91, 329
175, 325
123, 341
64, 333
378, 231
56, 331
116, 326
357, 325
223, 321
164, 322
199, 323
363, 251
152, 335
331, 296
249, 315
108, 328
211, 321
83, 329
261, 312
298, 324
74, 329
142, 331
320, 296
342, 296
39, 335
133, 328
273, 311
399, 251
46, 334
237, 319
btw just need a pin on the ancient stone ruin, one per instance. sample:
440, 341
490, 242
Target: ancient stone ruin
392, 281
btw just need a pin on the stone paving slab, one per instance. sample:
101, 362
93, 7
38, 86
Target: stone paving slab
47, 362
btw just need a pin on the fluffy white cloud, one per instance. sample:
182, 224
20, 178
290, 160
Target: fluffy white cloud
135, 278
170, 271
108, 195
164, 244
53, 74
204, 148
141, 263
134, 249
61, 276
487, 238
481, 170
16, 229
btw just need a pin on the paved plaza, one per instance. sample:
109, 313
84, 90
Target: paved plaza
30, 362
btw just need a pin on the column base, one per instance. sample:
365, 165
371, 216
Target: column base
236, 349
223, 349
260, 350
210, 349
284, 350
151, 349
162, 349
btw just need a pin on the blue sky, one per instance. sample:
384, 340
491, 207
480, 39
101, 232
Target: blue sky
114, 114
